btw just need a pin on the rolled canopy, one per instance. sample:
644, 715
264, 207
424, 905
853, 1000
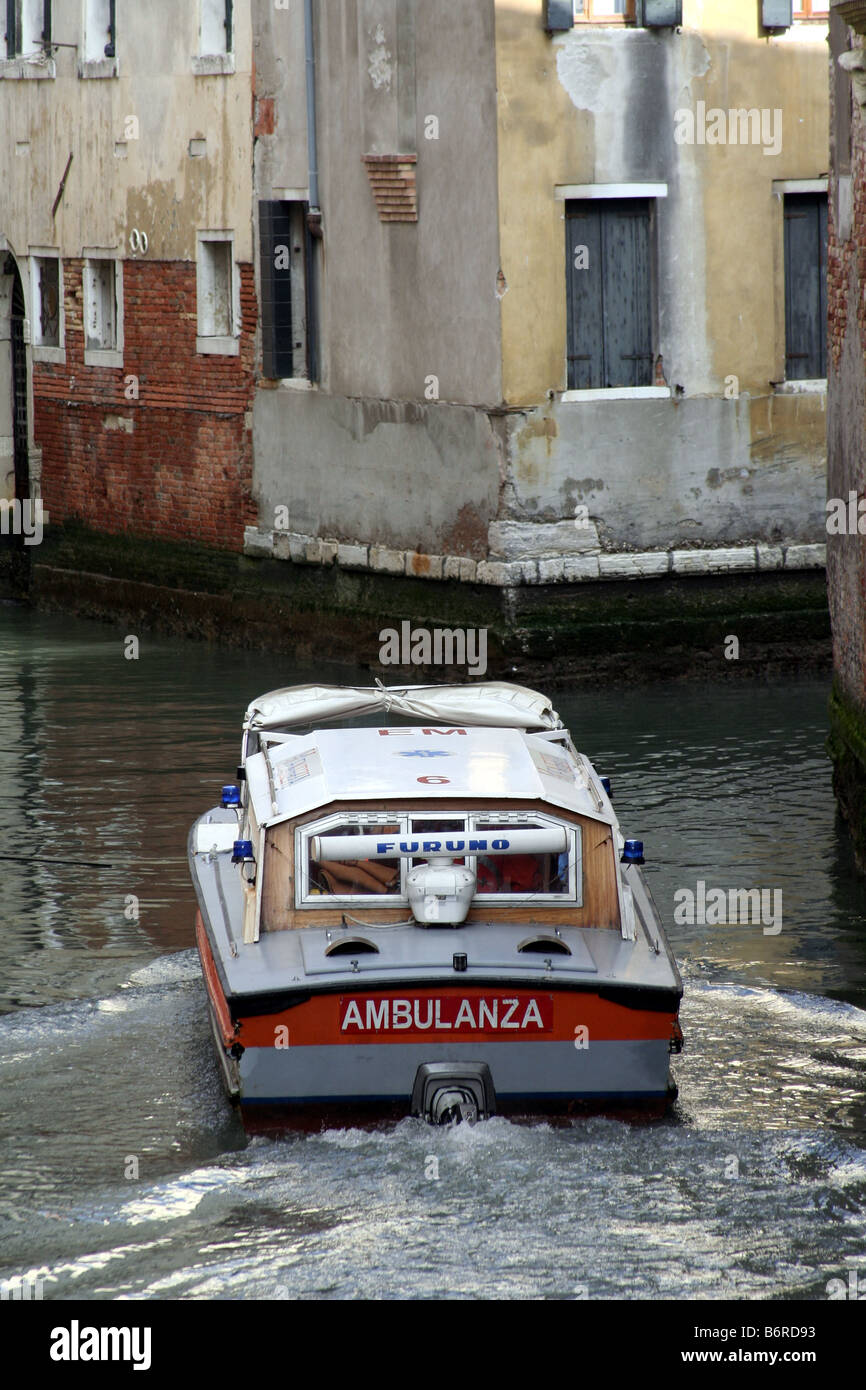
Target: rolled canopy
496, 704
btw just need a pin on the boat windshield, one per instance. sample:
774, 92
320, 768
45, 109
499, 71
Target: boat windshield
466, 839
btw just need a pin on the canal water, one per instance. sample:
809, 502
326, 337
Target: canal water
123, 1171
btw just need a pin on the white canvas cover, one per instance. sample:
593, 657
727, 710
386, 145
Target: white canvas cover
495, 704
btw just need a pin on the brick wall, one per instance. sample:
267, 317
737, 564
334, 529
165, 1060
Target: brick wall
177, 462
846, 279
846, 432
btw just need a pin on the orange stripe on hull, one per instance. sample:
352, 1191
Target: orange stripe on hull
321, 1021
214, 988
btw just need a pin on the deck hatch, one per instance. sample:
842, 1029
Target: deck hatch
545, 945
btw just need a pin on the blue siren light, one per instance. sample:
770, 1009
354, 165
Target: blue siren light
231, 796
242, 850
605, 782
632, 852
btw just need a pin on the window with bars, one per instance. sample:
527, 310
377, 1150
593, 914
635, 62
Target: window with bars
609, 293
285, 257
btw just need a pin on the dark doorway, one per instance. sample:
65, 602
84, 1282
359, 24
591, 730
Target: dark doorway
15, 556
19, 384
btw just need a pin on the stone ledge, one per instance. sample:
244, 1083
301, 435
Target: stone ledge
644, 565
301, 549
805, 557
721, 561
545, 540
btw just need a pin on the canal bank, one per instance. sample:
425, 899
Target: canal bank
759, 623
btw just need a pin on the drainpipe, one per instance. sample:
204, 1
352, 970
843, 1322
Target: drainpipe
315, 214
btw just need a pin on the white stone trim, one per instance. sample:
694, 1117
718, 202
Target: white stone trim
554, 569
218, 347
800, 185
98, 67
805, 387
563, 192
213, 65
618, 393
24, 69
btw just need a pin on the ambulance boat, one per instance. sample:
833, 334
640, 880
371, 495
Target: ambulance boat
430, 912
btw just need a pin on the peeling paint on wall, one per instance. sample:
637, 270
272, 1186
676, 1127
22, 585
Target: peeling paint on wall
379, 66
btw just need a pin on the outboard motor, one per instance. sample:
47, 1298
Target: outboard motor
447, 1093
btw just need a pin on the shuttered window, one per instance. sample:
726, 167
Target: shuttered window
805, 286
609, 292
13, 28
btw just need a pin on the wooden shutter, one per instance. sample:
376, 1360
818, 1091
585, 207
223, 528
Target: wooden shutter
276, 286
13, 28
584, 289
805, 286
558, 15
661, 14
777, 14
610, 300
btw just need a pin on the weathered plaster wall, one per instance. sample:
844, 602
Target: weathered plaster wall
595, 106
656, 473
405, 301
173, 457
116, 183
402, 475
521, 113
281, 108
400, 302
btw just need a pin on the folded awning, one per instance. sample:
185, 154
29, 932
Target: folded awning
496, 704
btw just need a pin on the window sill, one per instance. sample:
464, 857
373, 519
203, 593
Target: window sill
42, 352
24, 69
98, 67
295, 383
619, 393
807, 386
213, 65
222, 347
102, 357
